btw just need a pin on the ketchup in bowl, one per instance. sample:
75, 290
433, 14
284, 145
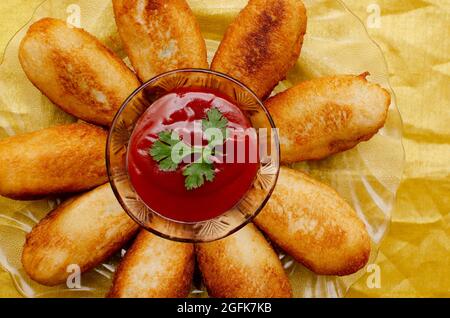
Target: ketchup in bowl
194, 189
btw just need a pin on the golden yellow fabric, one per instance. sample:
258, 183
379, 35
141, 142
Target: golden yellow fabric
415, 256
414, 259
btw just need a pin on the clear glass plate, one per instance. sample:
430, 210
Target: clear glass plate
336, 42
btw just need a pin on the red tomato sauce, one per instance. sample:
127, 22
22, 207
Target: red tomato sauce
165, 192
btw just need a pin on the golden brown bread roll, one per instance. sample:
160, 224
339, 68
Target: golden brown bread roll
324, 116
65, 158
75, 71
242, 265
262, 44
154, 268
85, 231
313, 224
159, 36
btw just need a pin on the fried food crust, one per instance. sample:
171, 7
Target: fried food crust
154, 268
85, 231
262, 44
313, 224
324, 116
60, 159
75, 71
159, 36
242, 265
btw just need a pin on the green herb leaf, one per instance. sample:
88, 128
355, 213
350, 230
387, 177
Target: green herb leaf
196, 173
215, 119
161, 150
169, 151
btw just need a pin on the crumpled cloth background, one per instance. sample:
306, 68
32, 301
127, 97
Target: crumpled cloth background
414, 259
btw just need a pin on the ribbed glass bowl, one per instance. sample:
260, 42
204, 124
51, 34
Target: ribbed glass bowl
336, 42
121, 132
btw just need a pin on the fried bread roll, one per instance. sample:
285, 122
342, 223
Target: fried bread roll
84, 231
159, 36
65, 158
313, 224
154, 268
242, 265
324, 116
262, 44
75, 71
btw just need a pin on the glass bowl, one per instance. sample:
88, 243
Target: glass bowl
121, 131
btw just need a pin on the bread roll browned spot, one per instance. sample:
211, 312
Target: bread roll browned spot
154, 268
60, 159
313, 224
242, 265
75, 71
83, 231
262, 44
324, 116
160, 36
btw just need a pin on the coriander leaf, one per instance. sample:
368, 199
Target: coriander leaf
196, 173
215, 119
168, 165
169, 150
166, 137
161, 150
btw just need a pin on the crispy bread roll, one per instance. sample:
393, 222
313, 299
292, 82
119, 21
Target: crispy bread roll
159, 36
313, 224
154, 268
262, 44
75, 71
242, 265
324, 116
85, 231
66, 158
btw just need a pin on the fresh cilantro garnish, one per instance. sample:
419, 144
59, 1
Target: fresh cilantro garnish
161, 150
196, 173
215, 119
169, 150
